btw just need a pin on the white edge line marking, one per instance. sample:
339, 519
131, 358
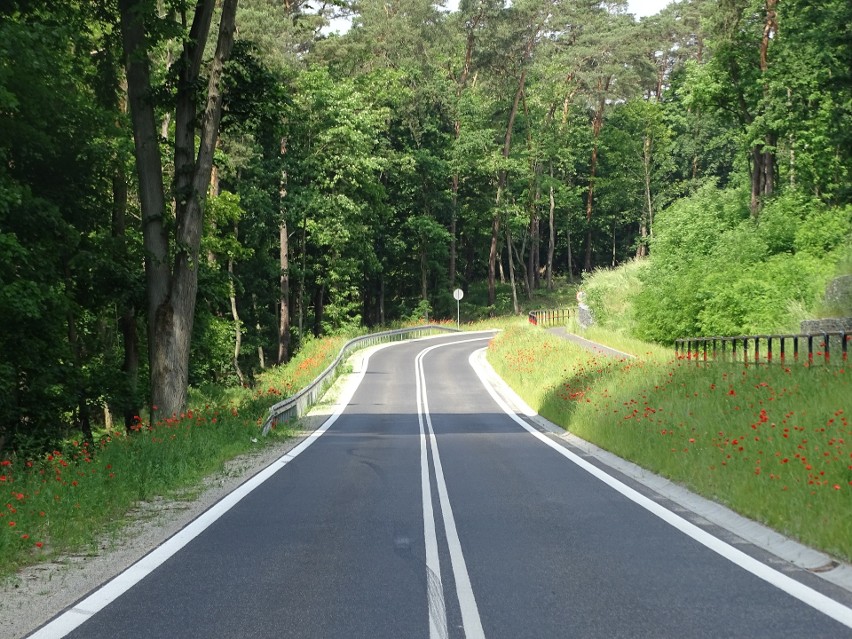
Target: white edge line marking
464, 590
817, 600
121, 583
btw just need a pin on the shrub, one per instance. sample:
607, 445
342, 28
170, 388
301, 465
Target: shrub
716, 271
610, 293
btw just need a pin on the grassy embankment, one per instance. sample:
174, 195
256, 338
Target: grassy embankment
770, 441
66, 500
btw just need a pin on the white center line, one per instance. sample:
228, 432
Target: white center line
434, 586
471, 621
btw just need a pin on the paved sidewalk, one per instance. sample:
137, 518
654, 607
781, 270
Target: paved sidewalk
561, 331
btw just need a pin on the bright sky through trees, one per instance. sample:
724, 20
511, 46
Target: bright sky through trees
642, 8
639, 8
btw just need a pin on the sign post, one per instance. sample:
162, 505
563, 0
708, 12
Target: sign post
458, 294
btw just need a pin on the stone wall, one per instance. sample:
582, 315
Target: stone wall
584, 315
828, 325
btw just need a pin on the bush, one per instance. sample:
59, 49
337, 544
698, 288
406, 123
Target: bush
714, 270
610, 293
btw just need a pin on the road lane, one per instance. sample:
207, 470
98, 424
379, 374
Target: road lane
330, 546
553, 551
337, 542
471, 621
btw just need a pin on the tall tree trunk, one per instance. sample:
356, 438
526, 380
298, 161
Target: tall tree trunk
492, 254
551, 239
300, 300
469, 264
424, 273
171, 291
83, 419
382, 299
283, 294
501, 185
763, 155
534, 266
460, 87
284, 275
614, 259
597, 124
454, 214
648, 214
127, 318
532, 256
515, 306
319, 309
500, 264
261, 360
112, 89
238, 330
570, 260
527, 281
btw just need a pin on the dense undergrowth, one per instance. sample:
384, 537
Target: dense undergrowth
715, 269
772, 442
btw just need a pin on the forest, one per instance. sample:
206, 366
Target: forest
190, 191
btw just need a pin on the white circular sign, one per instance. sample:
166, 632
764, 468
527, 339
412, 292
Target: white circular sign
458, 294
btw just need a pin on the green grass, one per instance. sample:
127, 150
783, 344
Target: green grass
66, 500
771, 442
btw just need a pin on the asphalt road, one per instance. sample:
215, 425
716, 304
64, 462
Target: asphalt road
426, 511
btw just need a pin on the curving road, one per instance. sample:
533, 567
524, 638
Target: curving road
424, 510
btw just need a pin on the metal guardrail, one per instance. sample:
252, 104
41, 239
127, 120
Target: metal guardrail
747, 348
549, 317
298, 404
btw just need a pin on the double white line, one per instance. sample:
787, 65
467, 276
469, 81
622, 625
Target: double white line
435, 592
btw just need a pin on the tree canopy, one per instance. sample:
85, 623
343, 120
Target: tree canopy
190, 190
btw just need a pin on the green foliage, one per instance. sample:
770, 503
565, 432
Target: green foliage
421, 313
380, 152
64, 270
824, 230
610, 293
714, 271
66, 499
212, 349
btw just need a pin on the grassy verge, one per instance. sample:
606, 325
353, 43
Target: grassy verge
771, 442
64, 501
